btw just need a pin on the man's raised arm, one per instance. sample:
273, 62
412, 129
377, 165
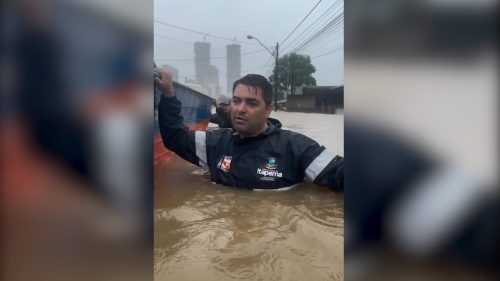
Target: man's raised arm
175, 137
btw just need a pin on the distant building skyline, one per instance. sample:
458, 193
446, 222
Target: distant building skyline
233, 52
207, 74
202, 62
213, 81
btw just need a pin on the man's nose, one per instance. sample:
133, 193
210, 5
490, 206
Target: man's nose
241, 107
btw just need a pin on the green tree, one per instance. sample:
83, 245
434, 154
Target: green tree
294, 70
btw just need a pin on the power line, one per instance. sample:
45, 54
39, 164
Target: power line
322, 49
326, 45
310, 29
329, 52
317, 26
318, 34
333, 22
266, 67
300, 22
204, 33
338, 20
173, 39
184, 42
327, 38
270, 69
220, 57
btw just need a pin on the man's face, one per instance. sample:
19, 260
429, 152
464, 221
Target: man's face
226, 107
249, 111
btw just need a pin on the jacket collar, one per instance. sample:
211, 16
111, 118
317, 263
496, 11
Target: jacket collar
271, 129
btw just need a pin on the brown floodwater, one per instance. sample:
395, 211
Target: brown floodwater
205, 231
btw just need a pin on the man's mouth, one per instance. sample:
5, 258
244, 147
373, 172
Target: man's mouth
240, 120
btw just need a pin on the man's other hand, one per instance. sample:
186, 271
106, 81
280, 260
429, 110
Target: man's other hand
164, 83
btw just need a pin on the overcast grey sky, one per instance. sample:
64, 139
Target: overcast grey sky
269, 20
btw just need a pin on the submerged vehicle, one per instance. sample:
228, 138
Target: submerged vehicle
196, 112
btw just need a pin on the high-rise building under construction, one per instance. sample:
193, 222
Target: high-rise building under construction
207, 75
202, 62
233, 65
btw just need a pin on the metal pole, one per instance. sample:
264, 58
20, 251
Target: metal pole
250, 37
276, 55
276, 79
292, 81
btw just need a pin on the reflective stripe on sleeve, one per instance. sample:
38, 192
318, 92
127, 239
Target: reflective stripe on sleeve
318, 164
201, 147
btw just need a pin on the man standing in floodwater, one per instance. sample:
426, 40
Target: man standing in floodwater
254, 154
222, 115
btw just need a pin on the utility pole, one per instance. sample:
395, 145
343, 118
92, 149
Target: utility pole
276, 55
276, 79
292, 82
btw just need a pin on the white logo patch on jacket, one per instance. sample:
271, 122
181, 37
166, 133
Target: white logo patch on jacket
269, 171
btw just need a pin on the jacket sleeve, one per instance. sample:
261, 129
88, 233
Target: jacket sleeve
322, 166
330, 168
190, 145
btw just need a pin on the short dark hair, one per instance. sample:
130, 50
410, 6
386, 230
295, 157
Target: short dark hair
257, 81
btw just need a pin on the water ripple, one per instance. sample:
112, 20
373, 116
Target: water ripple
218, 233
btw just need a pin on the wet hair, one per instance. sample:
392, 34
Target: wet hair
257, 81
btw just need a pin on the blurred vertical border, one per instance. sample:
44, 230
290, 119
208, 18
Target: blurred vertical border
421, 140
77, 115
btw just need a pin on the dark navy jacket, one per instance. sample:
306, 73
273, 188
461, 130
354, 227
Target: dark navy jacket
274, 159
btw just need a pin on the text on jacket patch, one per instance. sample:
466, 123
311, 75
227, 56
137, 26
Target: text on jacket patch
269, 173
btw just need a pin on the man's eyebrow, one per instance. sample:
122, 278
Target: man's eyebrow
246, 99
251, 99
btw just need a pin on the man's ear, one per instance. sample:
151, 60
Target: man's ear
269, 109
